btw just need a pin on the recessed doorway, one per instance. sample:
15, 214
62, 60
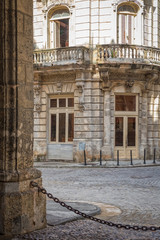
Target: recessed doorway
126, 126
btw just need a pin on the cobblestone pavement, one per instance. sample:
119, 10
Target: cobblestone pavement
136, 191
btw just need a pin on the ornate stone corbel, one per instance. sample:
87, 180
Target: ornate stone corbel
80, 86
129, 83
151, 79
104, 75
144, 10
59, 87
37, 97
44, 2
114, 5
38, 108
37, 89
45, 12
71, 7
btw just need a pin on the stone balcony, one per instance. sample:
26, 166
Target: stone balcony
100, 55
61, 56
127, 53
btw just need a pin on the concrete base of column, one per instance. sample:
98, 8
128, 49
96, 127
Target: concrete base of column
22, 208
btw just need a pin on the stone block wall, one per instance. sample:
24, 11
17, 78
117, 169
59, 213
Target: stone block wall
153, 123
88, 118
51, 86
22, 209
95, 22
38, 19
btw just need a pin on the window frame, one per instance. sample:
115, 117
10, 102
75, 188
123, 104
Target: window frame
126, 31
54, 39
128, 113
57, 110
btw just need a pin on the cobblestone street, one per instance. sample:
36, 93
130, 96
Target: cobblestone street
135, 191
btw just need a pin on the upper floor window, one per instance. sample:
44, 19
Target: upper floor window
127, 23
126, 8
59, 28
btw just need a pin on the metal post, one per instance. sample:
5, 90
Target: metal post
144, 156
100, 157
131, 157
117, 157
85, 163
154, 159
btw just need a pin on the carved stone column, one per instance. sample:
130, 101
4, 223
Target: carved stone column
22, 209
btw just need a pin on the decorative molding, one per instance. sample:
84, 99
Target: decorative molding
112, 77
80, 86
37, 89
54, 3
151, 79
59, 87
37, 97
114, 5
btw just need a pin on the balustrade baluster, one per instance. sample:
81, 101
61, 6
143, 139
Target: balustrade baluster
67, 54
124, 52
104, 51
50, 57
139, 54
80, 54
100, 54
62, 55
70, 53
35, 58
44, 55
41, 58
132, 53
47, 58
121, 52
154, 55
73, 54
38, 57
117, 52
129, 52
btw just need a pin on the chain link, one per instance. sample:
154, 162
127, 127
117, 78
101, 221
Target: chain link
111, 224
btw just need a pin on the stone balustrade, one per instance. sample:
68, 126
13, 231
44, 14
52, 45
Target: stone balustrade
57, 56
104, 53
125, 52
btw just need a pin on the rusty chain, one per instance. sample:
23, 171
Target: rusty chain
111, 224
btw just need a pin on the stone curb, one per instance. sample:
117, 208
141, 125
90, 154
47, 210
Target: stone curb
93, 166
56, 214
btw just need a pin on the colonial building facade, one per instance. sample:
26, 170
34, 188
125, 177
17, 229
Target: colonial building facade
96, 79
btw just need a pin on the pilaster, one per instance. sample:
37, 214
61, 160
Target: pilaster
22, 209
106, 149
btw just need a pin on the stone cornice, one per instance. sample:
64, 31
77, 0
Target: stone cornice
113, 75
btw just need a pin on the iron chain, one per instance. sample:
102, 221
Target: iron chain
111, 224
